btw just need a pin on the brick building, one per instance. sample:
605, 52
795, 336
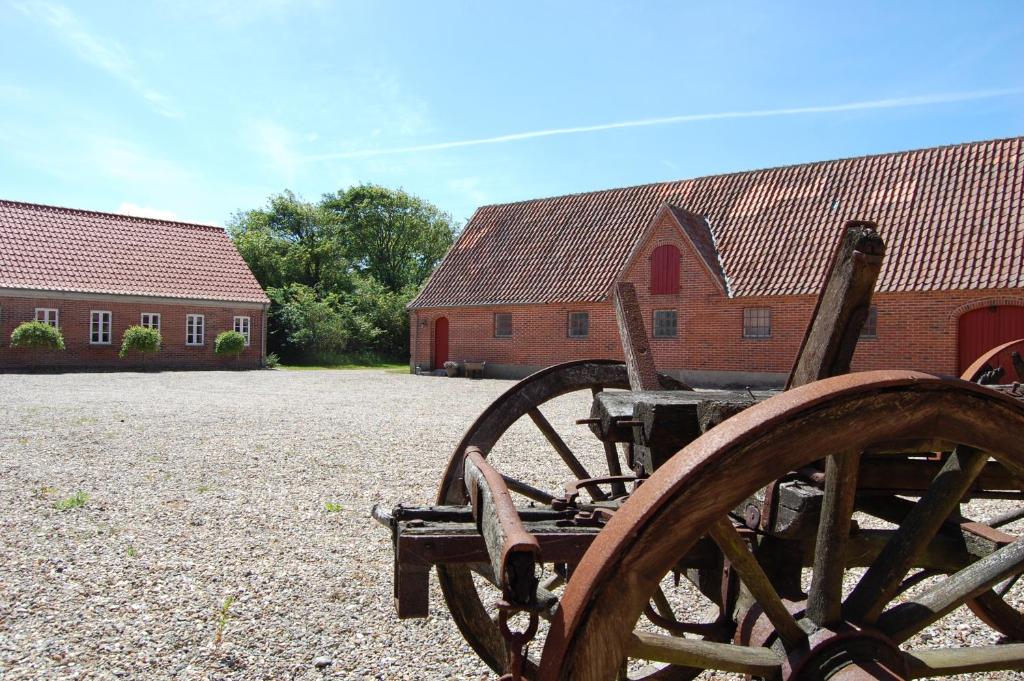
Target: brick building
728, 268
95, 274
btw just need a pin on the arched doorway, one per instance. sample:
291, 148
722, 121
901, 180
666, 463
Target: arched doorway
982, 329
440, 342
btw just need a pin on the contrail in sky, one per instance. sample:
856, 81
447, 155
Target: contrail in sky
895, 103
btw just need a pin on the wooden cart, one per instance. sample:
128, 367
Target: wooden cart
818, 530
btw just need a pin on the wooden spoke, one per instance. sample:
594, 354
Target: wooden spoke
528, 490
881, 581
757, 582
703, 654
949, 661
825, 601
611, 454
564, 452
662, 605
906, 619
1004, 588
1006, 518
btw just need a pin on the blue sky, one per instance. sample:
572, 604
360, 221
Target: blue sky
195, 109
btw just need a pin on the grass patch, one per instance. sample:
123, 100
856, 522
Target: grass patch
347, 361
333, 507
132, 552
222, 619
76, 500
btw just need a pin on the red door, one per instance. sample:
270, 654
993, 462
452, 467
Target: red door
440, 342
983, 329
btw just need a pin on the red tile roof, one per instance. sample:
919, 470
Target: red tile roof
61, 249
951, 217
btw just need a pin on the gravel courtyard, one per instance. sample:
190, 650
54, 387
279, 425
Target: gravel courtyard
225, 529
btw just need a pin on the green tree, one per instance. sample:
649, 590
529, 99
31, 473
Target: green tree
391, 235
291, 241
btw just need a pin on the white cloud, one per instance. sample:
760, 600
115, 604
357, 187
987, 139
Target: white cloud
146, 212
894, 103
98, 51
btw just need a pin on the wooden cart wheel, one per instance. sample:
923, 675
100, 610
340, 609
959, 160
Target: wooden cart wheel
831, 633
1005, 359
991, 607
523, 399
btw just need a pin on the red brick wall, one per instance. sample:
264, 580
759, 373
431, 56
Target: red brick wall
75, 321
915, 330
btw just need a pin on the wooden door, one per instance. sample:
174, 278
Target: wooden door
982, 329
440, 342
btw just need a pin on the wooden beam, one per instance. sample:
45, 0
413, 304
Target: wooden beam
842, 307
639, 362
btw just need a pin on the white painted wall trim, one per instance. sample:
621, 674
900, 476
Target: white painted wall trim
121, 298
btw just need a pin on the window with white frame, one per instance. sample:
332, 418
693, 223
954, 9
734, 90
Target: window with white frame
665, 322
48, 315
757, 322
194, 328
150, 320
579, 324
99, 327
242, 326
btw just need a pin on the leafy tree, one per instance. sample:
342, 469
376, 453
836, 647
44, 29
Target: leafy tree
391, 235
291, 241
37, 335
305, 324
340, 272
140, 338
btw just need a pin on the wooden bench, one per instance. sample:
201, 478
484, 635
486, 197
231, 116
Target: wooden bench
474, 369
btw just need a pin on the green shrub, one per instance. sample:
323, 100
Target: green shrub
273, 360
37, 335
146, 341
229, 343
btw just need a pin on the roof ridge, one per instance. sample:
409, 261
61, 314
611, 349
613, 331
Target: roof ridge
736, 173
120, 216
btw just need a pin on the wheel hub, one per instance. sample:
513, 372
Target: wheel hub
847, 652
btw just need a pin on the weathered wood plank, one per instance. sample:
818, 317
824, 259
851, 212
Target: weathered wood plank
513, 551
637, 350
687, 652
825, 601
842, 307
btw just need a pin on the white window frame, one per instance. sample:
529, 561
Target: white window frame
247, 325
190, 321
94, 333
55, 323
149, 324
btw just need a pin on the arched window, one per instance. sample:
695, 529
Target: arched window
665, 270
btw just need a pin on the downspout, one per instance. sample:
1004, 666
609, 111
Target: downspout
263, 359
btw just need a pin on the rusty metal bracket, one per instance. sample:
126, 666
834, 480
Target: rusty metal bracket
514, 552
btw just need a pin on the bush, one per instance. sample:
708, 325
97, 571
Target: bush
273, 360
146, 341
229, 343
37, 335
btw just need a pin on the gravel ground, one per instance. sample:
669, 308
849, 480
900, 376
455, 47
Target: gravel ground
225, 530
